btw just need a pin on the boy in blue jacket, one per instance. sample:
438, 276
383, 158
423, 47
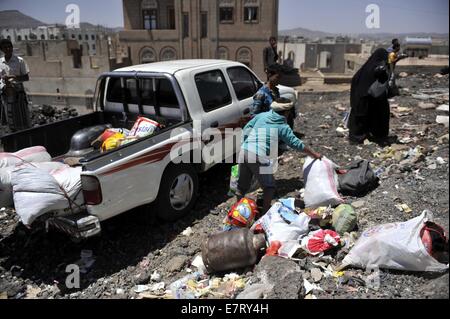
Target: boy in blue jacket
259, 151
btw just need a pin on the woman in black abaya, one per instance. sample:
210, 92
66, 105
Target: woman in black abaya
369, 117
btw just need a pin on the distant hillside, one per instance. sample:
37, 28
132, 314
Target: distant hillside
13, 19
302, 32
16, 19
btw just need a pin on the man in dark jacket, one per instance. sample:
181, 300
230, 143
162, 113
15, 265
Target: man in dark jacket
270, 54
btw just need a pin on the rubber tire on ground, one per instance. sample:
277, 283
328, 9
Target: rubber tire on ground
164, 208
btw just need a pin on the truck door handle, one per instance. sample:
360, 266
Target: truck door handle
215, 124
246, 111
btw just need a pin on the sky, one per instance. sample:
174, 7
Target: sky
337, 16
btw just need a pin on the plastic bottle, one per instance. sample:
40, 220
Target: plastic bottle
232, 250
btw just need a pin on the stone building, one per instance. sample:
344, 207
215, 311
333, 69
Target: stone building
63, 73
239, 30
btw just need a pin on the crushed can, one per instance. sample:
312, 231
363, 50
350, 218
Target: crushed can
232, 250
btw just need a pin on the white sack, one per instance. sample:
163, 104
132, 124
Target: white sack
37, 192
321, 183
37, 154
395, 246
6, 192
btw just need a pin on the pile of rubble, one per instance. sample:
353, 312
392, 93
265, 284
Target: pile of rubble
138, 257
45, 114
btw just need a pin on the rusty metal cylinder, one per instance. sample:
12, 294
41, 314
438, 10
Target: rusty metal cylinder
232, 250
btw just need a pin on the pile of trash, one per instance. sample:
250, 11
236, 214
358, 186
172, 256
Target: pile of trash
317, 225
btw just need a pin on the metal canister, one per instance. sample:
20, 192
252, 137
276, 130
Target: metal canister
232, 250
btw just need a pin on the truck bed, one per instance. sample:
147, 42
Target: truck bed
56, 137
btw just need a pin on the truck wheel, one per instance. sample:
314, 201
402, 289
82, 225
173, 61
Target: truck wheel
178, 192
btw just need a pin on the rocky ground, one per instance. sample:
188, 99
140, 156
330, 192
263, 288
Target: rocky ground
135, 252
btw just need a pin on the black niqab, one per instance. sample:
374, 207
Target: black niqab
365, 77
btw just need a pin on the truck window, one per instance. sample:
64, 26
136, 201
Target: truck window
213, 90
166, 95
244, 83
159, 98
122, 90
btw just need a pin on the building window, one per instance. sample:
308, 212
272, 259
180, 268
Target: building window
251, 14
223, 53
42, 37
185, 25
93, 47
244, 56
86, 37
168, 54
52, 37
170, 18
150, 19
73, 36
19, 38
93, 37
227, 15
147, 55
204, 25
251, 11
76, 56
26, 37
80, 37
325, 60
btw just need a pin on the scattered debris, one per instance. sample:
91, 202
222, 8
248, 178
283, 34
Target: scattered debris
359, 204
316, 275
310, 287
442, 120
187, 232
443, 108
427, 106
404, 208
156, 277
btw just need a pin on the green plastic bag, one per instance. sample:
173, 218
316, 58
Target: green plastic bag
344, 219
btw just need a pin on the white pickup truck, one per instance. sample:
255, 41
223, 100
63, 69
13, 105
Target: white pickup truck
188, 97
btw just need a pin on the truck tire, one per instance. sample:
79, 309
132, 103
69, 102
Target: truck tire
178, 192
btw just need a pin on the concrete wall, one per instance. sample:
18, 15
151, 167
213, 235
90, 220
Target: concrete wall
337, 51
299, 50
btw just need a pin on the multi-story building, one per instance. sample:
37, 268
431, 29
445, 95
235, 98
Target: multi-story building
157, 30
86, 36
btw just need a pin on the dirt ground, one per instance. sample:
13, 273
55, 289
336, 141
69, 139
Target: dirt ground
134, 245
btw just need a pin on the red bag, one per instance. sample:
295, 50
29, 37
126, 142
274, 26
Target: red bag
434, 239
273, 249
320, 241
